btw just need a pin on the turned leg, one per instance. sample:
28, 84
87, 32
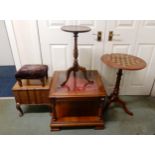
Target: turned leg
53, 102
54, 117
19, 82
46, 76
28, 82
42, 81
19, 109
100, 112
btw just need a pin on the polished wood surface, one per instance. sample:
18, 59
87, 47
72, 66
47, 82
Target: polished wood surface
76, 28
76, 67
77, 86
121, 62
31, 93
78, 103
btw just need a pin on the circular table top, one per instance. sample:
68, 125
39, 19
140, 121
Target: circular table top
123, 61
75, 28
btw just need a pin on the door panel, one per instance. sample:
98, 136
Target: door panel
142, 81
85, 55
136, 38
58, 52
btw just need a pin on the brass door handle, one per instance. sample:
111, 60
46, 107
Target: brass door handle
111, 34
99, 36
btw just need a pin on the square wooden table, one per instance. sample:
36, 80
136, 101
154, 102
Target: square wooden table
77, 103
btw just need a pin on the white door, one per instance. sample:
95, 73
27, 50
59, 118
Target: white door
132, 37
57, 45
136, 38
141, 82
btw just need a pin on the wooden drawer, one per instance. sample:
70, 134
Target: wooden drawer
32, 96
32, 93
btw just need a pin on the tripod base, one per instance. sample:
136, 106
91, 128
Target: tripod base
114, 97
118, 101
76, 69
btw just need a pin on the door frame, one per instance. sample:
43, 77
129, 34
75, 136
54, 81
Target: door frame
152, 93
13, 43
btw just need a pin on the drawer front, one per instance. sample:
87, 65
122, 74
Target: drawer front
32, 96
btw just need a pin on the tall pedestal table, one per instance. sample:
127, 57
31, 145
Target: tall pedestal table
76, 67
121, 62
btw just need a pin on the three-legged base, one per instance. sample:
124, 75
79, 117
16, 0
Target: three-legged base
118, 101
114, 97
76, 69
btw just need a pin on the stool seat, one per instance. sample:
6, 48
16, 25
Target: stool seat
32, 72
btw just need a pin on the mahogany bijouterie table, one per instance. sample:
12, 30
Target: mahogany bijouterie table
78, 103
121, 62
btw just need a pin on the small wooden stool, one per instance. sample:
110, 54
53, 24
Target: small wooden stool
32, 72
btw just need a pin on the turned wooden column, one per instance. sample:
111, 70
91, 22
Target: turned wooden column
114, 97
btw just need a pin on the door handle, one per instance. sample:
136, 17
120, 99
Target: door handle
111, 34
99, 36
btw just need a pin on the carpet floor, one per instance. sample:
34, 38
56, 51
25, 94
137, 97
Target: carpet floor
36, 119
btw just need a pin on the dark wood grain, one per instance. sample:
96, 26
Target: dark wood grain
31, 93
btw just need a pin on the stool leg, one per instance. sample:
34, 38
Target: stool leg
19, 109
42, 81
19, 82
46, 76
28, 82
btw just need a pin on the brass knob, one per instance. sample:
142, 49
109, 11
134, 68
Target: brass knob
111, 34
99, 36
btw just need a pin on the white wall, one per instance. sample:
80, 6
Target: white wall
6, 58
